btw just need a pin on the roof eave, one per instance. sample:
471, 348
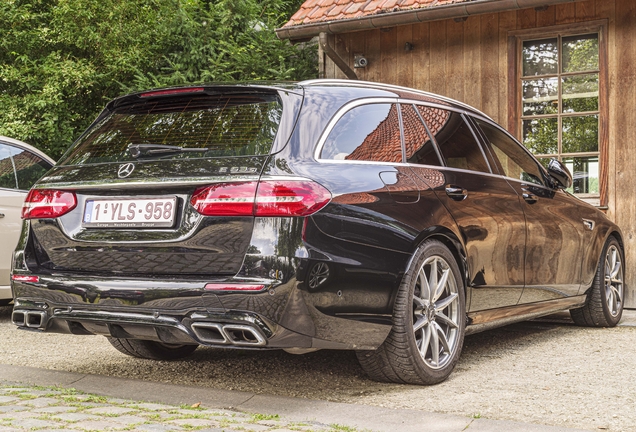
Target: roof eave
392, 19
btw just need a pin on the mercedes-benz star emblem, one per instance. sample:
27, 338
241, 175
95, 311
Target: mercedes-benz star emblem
125, 170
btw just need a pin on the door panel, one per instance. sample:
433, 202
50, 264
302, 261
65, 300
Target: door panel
491, 222
10, 226
555, 230
555, 246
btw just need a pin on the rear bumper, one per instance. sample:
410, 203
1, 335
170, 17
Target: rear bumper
184, 312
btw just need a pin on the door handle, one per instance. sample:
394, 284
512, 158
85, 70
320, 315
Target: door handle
530, 198
1, 215
456, 193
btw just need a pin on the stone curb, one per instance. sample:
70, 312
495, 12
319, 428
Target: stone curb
362, 417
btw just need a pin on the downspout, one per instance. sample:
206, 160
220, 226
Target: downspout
333, 55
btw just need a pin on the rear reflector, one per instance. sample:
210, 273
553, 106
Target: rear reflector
265, 198
172, 92
47, 203
233, 287
25, 278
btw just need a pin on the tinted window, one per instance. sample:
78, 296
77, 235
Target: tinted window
513, 160
417, 142
225, 125
7, 175
455, 139
367, 132
29, 168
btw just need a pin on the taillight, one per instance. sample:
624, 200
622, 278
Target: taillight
225, 199
265, 198
47, 203
290, 198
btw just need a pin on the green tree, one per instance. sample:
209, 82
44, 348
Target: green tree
62, 60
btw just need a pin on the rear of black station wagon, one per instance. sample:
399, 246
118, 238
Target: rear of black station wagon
302, 216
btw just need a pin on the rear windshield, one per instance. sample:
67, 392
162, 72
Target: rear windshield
220, 126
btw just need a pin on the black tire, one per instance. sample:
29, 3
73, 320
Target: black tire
150, 349
604, 303
399, 358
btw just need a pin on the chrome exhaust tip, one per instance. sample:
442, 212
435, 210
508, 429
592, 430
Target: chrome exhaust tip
228, 334
29, 319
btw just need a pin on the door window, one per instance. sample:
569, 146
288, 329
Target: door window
417, 141
513, 160
455, 140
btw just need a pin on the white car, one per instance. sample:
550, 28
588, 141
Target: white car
21, 165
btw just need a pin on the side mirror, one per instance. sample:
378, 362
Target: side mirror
559, 174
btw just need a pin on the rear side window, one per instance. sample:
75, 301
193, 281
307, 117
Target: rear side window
456, 141
366, 133
224, 125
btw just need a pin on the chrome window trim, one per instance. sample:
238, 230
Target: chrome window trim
461, 170
383, 86
339, 114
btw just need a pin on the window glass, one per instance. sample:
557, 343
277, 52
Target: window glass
7, 175
417, 142
29, 168
367, 133
512, 158
223, 125
540, 57
457, 142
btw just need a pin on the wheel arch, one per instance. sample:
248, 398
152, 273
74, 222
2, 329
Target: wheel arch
449, 239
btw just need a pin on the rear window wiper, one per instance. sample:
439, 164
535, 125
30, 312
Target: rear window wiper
158, 150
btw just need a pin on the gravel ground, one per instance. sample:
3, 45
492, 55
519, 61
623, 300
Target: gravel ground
534, 372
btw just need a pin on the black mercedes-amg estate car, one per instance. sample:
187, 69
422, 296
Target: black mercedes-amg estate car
319, 215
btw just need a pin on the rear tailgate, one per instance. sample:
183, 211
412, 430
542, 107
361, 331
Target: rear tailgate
133, 213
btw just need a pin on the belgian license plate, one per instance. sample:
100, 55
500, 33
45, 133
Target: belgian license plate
130, 213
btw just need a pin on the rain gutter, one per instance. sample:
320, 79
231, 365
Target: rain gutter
412, 16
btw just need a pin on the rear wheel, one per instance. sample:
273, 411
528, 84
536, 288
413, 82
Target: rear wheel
604, 303
428, 323
150, 349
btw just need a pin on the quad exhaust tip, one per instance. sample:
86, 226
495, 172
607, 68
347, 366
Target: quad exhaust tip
29, 318
228, 334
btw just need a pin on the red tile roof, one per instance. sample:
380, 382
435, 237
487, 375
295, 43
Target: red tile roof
315, 11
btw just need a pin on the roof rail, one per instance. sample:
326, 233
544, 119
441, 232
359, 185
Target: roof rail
370, 84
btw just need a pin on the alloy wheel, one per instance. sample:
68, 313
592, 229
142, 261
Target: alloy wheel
613, 280
436, 312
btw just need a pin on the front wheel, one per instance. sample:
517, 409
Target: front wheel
429, 317
152, 350
604, 304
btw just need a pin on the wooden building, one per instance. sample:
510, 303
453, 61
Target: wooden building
559, 74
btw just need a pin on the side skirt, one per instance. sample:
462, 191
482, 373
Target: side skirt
488, 319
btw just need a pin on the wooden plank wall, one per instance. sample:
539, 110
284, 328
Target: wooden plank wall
468, 61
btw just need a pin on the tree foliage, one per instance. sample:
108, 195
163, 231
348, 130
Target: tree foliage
62, 60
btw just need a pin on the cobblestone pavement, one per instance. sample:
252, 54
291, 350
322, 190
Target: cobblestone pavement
62, 409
